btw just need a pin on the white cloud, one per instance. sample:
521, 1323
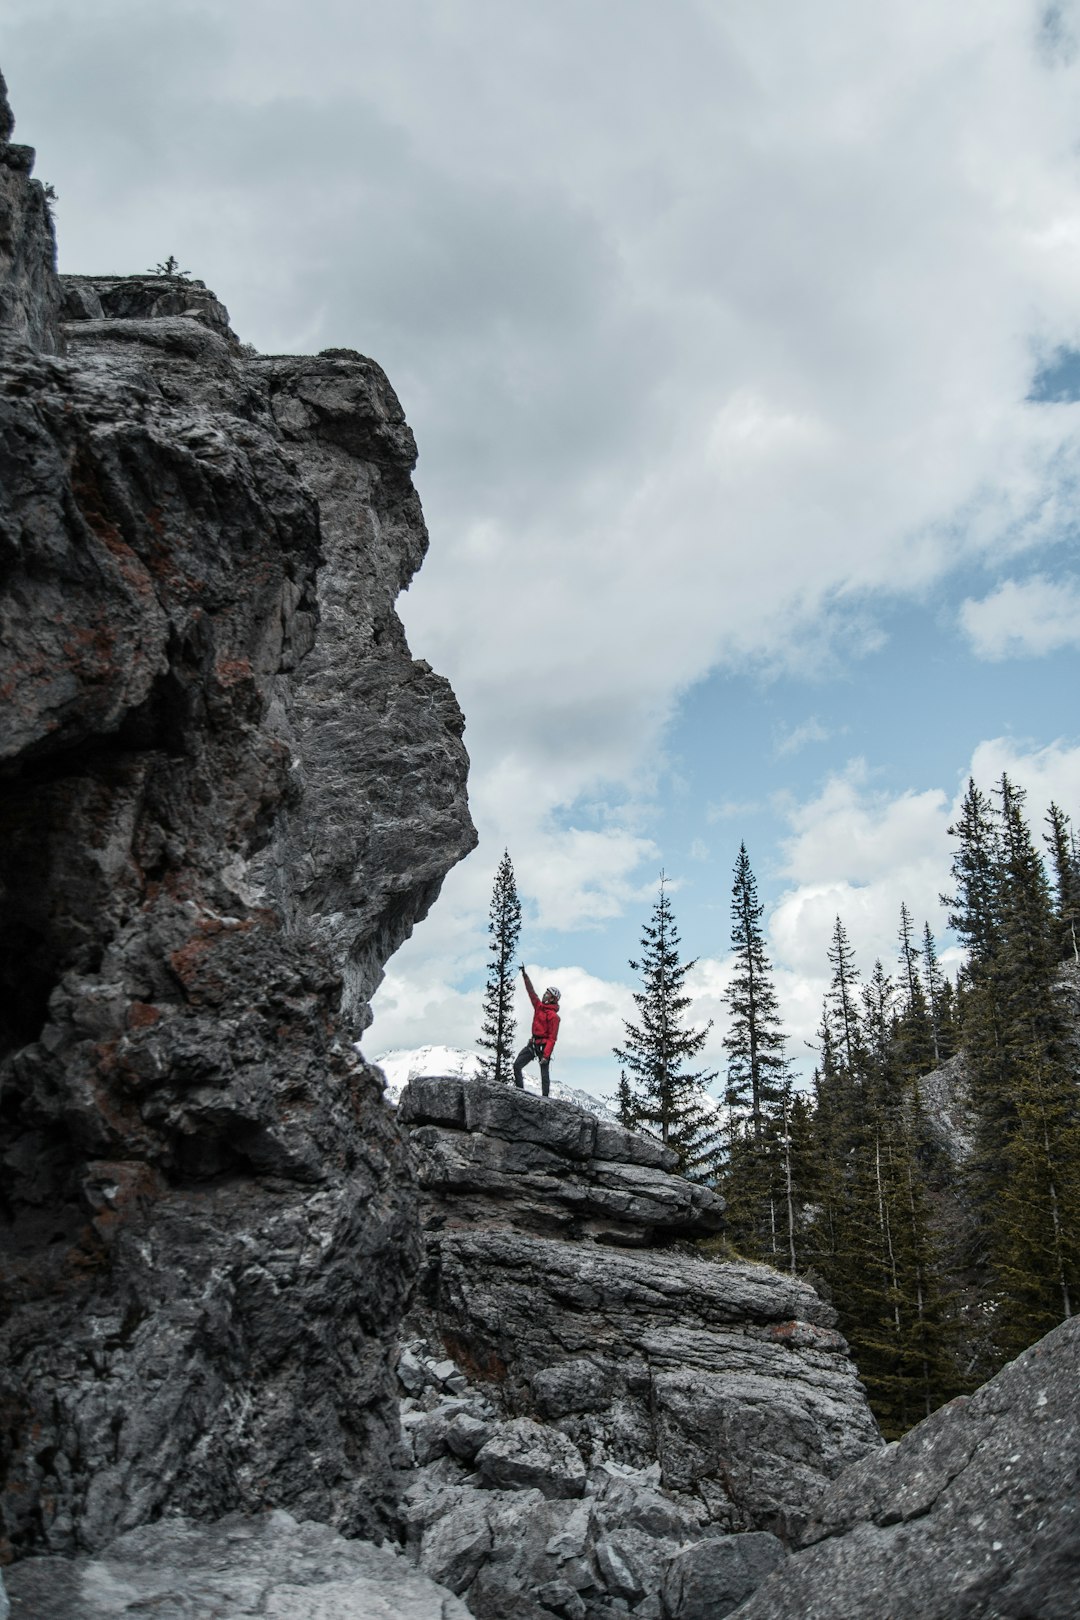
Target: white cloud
1024, 618
715, 329
698, 352
1049, 773
857, 853
793, 740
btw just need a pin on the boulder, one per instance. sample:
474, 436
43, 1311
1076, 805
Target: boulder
559, 1598
975, 1512
458, 1542
466, 1435
523, 1455
269, 1566
652, 1400
711, 1579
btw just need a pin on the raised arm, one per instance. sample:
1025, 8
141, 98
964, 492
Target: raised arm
533, 997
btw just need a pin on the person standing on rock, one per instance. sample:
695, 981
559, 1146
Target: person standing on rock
545, 1028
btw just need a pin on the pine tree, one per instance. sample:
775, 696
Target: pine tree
870, 1234
975, 914
754, 1043
975, 866
1061, 841
842, 1000
915, 1035
1037, 1229
878, 1027
504, 929
658, 1092
940, 1000
1024, 1173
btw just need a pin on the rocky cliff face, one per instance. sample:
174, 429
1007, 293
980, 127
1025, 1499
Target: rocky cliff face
228, 791
29, 289
598, 1413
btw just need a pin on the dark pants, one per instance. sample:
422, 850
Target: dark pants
524, 1057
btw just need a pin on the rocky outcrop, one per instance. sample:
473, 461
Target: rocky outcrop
587, 1397
270, 1566
491, 1155
976, 1512
29, 289
226, 792
119, 299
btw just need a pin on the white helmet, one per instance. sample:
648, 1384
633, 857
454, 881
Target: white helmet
551, 994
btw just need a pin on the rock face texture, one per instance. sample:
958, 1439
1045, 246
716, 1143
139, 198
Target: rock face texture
494, 1155
29, 289
269, 1566
976, 1512
584, 1398
227, 791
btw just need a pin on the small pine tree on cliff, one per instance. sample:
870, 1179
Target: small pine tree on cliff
658, 1093
504, 927
755, 1041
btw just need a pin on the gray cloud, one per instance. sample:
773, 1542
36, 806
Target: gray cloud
715, 323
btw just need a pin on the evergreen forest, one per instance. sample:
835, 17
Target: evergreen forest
928, 1180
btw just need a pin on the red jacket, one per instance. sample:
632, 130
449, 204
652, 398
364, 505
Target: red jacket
545, 1024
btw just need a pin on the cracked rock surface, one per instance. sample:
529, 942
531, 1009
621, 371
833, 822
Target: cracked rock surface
600, 1421
29, 289
493, 1155
975, 1512
227, 792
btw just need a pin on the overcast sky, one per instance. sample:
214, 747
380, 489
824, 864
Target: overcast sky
740, 342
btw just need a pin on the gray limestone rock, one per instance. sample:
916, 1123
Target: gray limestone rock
229, 791
534, 1542
29, 287
360, 856
466, 1434
457, 1543
559, 1598
614, 1142
491, 1154
269, 1566
144, 298
975, 1512
618, 1566
578, 1385
714, 1577
428, 1434
626, 1502
695, 1398
523, 1455
730, 1377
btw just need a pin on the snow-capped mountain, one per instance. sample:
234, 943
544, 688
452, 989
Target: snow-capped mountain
400, 1067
